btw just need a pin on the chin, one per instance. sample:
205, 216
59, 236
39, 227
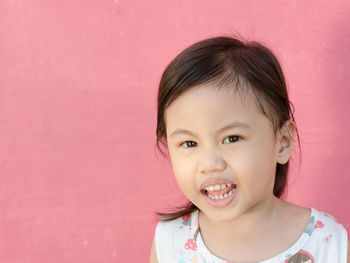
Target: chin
222, 215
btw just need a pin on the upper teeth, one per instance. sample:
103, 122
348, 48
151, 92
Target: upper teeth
217, 187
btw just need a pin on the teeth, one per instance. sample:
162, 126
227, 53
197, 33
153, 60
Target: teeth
219, 197
231, 192
217, 187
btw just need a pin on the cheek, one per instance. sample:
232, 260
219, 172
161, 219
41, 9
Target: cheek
183, 172
255, 166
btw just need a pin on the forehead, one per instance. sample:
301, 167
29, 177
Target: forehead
212, 106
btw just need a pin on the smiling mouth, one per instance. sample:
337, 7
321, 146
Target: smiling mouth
219, 191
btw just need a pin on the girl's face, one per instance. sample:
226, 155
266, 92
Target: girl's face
204, 154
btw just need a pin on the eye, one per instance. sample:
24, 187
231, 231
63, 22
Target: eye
188, 144
233, 138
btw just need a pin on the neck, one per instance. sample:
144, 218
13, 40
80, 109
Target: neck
253, 221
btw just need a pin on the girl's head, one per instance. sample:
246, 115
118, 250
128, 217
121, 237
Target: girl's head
210, 85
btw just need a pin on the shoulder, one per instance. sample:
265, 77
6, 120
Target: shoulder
171, 236
329, 236
340, 233
175, 225
328, 223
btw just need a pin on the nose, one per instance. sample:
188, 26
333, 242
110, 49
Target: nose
211, 162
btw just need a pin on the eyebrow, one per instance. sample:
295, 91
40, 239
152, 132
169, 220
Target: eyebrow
235, 124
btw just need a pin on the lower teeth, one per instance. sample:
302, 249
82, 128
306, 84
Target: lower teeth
219, 197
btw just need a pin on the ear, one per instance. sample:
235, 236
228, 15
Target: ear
285, 141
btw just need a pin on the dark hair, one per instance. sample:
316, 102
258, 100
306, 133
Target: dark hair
227, 62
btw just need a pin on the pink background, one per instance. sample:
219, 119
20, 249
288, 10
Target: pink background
80, 176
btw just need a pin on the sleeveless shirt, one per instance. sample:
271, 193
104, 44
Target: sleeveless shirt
324, 240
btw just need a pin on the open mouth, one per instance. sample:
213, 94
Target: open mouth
219, 191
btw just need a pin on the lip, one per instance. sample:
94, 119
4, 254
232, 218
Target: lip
219, 203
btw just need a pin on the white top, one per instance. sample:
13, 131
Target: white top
324, 241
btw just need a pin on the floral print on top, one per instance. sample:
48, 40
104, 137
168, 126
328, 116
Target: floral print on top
324, 240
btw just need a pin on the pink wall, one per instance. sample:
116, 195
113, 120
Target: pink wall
80, 177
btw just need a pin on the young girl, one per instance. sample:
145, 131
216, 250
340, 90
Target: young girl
225, 118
